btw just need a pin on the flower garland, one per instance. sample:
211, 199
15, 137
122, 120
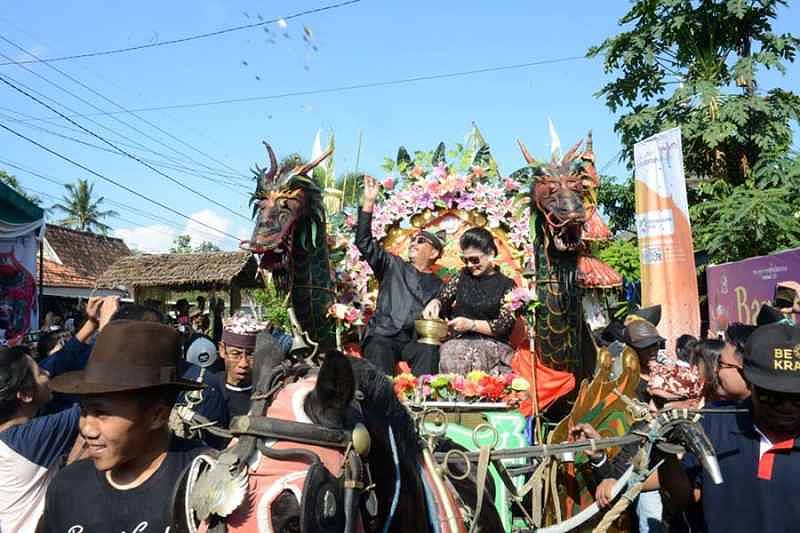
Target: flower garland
477, 386
501, 200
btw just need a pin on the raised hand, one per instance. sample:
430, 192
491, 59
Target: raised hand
371, 190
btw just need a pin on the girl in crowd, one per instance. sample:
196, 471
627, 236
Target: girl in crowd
473, 302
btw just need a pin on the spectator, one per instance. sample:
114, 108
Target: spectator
706, 358
211, 404
127, 392
683, 348
236, 349
731, 385
31, 448
758, 450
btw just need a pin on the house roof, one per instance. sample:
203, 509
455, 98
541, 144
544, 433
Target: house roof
80, 256
183, 272
16, 209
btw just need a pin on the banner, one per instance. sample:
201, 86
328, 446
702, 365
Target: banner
737, 290
665, 235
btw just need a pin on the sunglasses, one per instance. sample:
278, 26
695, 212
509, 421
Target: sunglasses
421, 239
776, 398
471, 260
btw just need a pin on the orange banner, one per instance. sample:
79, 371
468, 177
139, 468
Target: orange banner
665, 235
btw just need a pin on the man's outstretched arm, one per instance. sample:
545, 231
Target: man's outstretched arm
371, 251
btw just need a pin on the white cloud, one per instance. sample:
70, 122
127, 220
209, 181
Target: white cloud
150, 239
158, 238
199, 233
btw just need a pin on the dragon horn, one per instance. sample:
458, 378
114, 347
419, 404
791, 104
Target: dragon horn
571, 153
303, 170
273, 164
589, 143
528, 157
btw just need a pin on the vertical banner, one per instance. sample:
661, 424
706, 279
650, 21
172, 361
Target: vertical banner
665, 235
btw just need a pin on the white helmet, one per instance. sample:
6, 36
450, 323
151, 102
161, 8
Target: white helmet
201, 352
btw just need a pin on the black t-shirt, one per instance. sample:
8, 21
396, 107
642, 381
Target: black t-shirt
237, 399
81, 500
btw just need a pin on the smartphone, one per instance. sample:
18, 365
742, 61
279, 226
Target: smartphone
784, 297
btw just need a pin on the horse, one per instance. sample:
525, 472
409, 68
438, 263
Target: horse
298, 468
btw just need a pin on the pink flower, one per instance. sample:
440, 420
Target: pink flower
440, 171
351, 315
512, 184
388, 183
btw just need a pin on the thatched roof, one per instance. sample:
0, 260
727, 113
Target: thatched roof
183, 272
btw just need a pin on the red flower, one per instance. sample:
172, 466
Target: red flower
492, 387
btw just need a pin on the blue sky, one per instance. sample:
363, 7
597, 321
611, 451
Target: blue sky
366, 42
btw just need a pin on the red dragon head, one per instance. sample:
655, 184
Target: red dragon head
289, 207
564, 193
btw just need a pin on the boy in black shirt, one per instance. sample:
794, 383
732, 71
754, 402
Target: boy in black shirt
127, 392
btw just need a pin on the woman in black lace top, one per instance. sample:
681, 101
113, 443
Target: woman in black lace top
473, 301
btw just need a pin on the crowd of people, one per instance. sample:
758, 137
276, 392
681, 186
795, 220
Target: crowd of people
89, 440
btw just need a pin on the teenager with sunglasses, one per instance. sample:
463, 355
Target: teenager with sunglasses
404, 287
473, 302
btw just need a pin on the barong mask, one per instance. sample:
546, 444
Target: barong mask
283, 198
564, 192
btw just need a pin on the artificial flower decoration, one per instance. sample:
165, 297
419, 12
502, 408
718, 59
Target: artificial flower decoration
476, 386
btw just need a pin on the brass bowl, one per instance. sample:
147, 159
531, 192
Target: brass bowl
431, 331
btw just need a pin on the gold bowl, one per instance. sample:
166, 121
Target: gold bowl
431, 331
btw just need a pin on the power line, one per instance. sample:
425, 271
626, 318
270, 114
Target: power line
112, 102
135, 143
112, 215
101, 110
190, 37
343, 88
53, 123
55, 181
217, 181
112, 181
132, 156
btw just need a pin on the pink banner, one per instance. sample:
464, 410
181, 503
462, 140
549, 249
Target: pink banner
737, 290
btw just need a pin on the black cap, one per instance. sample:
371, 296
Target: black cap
768, 315
436, 239
652, 314
641, 334
772, 358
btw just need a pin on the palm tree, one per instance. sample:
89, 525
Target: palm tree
82, 211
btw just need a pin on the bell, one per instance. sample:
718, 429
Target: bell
302, 345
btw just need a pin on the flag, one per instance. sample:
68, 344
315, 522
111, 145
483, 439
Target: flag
555, 142
666, 250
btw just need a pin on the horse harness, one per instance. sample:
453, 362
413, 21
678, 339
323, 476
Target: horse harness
326, 469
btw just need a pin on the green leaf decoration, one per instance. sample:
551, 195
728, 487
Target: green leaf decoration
438, 154
403, 156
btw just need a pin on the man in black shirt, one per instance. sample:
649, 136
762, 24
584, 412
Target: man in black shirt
405, 289
126, 392
237, 350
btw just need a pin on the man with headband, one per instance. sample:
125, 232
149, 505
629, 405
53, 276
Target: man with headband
405, 288
236, 349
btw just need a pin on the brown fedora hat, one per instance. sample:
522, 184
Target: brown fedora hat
128, 355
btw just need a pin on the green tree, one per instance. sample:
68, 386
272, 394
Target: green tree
13, 182
617, 202
82, 210
207, 246
695, 65
271, 306
623, 256
181, 245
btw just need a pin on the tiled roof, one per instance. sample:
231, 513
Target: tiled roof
83, 255
56, 275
